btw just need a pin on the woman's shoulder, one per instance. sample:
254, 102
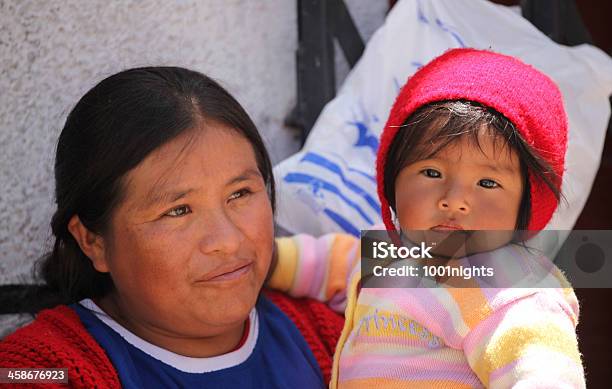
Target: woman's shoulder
57, 338
310, 311
319, 325
53, 329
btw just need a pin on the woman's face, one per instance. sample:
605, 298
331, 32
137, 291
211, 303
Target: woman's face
191, 241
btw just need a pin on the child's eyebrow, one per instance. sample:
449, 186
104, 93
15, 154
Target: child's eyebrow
503, 168
500, 168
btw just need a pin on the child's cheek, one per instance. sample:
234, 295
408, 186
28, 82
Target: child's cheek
496, 213
416, 205
417, 190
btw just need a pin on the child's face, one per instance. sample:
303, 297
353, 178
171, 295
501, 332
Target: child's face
463, 187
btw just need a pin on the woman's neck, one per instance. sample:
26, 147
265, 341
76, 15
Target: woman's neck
189, 346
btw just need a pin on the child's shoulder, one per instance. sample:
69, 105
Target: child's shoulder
517, 272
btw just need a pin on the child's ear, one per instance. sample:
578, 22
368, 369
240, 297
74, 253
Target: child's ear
91, 244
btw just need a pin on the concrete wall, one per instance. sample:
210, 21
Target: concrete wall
52, 52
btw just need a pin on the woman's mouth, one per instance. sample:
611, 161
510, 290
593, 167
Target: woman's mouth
228, 274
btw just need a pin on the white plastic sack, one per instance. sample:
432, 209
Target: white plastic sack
329, 185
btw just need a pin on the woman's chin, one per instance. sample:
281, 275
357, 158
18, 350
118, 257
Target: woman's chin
230, 308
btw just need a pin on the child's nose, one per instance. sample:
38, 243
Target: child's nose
455, 200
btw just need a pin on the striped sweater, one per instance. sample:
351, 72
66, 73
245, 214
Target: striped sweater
434, 337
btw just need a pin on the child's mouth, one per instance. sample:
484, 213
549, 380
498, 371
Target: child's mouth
447, 227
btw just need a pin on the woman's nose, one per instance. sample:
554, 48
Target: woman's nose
455, 200
220, 234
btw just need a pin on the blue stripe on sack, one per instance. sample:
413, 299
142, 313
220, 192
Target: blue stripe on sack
364, 174
357, 171
301, 178
447, 29
420, 14
421, 18
319, 160
342, 222
365, 138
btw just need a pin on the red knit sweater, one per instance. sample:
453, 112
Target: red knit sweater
58, 339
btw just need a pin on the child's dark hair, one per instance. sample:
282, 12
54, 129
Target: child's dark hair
434, 126
110, 131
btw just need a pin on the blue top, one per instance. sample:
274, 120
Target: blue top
275, 355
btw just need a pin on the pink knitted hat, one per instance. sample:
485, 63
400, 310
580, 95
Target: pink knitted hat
528, 98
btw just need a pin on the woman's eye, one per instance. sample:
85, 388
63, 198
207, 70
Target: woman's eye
431, 173
239, 193
489, 184
179, 211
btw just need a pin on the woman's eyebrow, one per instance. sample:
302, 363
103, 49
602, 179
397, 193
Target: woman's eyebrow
245, 176
158, 197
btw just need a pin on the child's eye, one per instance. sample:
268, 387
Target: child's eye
431, 173
179, 211
489, 184
240, 193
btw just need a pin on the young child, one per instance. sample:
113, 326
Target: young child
475, 141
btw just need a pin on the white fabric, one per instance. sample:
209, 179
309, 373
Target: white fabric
181, 362
329, 185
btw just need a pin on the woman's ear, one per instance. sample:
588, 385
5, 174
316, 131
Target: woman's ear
91, 244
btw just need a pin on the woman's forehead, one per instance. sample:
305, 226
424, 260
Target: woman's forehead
213, 155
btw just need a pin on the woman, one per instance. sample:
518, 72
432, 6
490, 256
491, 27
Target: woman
163, 240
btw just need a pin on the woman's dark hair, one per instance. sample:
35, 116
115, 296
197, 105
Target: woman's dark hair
109, 132
434, 126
